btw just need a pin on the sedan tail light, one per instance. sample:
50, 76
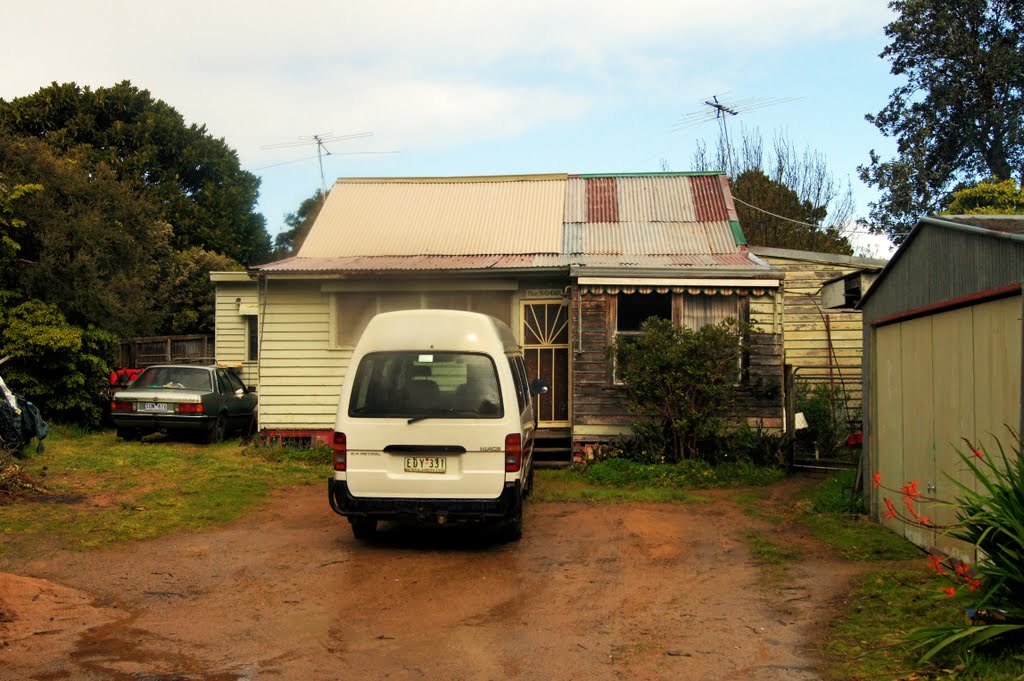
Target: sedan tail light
122, 406
189, 408
340, 447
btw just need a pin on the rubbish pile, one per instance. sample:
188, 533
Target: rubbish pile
20, 421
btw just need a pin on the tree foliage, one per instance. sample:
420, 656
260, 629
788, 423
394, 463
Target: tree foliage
60, 367
785, 198
85, 243
991, 197
959, 116
290, 241
185, 292
195, 179
681, 382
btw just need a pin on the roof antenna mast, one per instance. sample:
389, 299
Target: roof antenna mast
721, 111
321, 140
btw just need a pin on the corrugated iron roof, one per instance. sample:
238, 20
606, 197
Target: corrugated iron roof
436, 263
671, 220
439, 216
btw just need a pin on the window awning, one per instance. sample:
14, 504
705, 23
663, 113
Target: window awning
691, 286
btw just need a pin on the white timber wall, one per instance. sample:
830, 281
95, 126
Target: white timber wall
300, 373
236, 297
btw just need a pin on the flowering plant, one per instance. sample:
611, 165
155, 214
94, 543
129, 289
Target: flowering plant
990, 516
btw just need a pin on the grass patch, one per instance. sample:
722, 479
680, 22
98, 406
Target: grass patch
866, 642
690, 474
102, 490
859, 538
568, 485
767, 551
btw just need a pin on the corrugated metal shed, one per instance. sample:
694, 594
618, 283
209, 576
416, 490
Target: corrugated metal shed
924, 275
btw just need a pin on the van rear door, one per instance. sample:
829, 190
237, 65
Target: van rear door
426, 424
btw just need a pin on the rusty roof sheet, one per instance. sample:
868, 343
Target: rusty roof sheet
433, 263
519, 222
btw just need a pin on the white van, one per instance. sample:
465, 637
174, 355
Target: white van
435, 423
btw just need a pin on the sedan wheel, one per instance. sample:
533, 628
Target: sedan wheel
216, 433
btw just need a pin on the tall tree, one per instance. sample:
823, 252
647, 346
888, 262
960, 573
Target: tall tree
959, 116
195, 179
83, 241
785, 198
290, 241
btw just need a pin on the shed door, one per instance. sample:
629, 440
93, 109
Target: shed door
937, 379
546, 348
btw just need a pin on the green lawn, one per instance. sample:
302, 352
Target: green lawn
101, 489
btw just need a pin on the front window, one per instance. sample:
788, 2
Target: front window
632, 310
179, 378
426, 384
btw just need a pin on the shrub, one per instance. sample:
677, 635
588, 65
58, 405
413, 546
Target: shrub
681, 382
824, 407
60, 368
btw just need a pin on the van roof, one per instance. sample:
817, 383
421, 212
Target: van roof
437, 329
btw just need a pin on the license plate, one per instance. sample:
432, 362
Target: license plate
425, 464
155, 406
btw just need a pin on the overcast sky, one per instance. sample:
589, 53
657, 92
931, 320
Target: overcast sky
471, 88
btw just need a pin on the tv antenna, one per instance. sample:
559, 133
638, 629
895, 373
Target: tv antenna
715, 110
321, 140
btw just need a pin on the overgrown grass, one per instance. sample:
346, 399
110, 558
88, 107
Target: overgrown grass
835, 516
693, 474
568, 485
102, 490
867, 641
621, 480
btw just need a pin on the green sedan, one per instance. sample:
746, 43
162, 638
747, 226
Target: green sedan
204, 401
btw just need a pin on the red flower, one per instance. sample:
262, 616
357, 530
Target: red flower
936, 564
974, 450
910, 491
878, 480
949, 591
891, 512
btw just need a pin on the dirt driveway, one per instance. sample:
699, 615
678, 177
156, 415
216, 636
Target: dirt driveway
591, 592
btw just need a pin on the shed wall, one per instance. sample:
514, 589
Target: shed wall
937, 379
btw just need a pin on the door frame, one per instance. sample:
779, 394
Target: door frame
567, 346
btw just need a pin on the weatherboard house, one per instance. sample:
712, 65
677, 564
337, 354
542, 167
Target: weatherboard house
567, 261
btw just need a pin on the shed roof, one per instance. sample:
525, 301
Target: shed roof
1008, 228
680, 221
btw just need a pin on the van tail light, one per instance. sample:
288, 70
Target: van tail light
513, 452
122, 406
340, 447
190, 408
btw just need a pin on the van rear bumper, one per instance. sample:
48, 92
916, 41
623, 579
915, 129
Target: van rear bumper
343, 503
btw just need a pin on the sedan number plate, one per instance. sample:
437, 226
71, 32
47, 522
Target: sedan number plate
425, 464
155, 406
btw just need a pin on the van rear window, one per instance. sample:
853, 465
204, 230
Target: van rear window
426, 384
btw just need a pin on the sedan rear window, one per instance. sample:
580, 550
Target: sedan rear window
179, 378
426, 384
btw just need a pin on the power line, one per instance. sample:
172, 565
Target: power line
805, 224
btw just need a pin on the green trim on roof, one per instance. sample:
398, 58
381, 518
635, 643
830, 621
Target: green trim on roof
737, 233
686, 173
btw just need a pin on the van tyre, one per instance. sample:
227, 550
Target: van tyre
363, 528
512, 528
